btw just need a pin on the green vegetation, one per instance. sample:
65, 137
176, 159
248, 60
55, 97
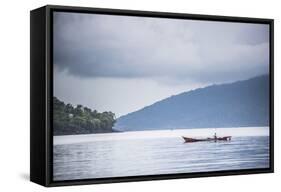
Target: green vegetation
70, 120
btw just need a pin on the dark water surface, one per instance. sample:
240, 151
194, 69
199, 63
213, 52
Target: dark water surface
150, 156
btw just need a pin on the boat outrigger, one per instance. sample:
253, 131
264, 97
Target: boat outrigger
215, 138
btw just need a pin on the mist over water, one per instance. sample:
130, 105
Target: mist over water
204, 132
158, 152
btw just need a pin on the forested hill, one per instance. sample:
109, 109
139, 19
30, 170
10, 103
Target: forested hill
238, 104
71, 120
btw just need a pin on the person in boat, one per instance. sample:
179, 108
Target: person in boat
215, 136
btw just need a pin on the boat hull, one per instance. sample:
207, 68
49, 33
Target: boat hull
192, 140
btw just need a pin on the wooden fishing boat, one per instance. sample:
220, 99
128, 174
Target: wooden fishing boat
191, 140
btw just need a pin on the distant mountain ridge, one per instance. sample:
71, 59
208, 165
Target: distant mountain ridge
238, 104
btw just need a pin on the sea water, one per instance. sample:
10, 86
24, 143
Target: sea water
158, 152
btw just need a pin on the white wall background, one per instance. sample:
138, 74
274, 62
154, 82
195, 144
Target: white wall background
14, 94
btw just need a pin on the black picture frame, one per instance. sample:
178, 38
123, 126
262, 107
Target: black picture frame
41, 94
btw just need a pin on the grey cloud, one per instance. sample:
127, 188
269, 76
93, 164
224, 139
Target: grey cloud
87, 45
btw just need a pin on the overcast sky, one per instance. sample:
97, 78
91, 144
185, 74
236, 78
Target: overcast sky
121, 63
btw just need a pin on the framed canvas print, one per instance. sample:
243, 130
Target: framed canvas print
121, 95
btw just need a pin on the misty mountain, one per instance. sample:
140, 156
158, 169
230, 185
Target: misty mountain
238, 104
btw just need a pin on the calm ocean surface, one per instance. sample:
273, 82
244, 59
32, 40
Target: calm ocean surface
158, 152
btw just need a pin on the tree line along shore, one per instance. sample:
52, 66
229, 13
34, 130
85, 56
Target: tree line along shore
71, 120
